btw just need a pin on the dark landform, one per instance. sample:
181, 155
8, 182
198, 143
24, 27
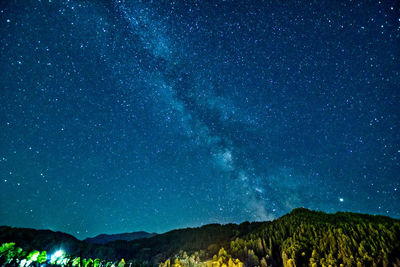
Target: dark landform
300, 238
104, 238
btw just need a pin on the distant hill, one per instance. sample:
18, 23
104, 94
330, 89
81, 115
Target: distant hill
104, 238
300, 238
30, 239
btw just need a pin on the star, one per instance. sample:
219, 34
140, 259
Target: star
237, 113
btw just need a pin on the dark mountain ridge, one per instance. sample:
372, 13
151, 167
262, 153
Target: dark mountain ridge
103, 239
300, 238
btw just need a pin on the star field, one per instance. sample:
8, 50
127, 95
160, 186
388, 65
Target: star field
119, 116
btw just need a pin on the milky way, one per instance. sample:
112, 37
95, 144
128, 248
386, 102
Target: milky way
119, 116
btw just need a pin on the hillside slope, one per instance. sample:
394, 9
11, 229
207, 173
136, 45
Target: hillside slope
104, 238
30, 239
300, 238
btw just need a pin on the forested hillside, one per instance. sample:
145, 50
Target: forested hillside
300, 238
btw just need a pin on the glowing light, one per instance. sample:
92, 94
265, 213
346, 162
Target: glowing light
341, 199
57, 257
58, 253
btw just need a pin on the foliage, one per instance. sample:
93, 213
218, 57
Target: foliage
307, 238
300, 238
223, 259
42, 257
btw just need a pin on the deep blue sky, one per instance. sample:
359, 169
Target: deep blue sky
118, 116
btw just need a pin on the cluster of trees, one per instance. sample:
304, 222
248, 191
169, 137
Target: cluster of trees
300, 238
10, 255
31, 239
222, 259
308, 238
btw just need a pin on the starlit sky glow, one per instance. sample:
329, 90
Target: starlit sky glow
120, 116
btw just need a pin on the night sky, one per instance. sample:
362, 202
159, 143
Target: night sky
119, 116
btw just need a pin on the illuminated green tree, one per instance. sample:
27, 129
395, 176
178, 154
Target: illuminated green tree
87, 262
7, 251
96, 263
121, 263
42, 257
33, 255
76, 261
